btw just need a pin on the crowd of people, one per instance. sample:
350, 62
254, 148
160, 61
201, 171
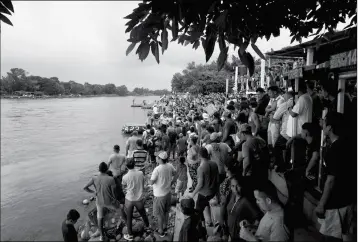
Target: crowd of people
226, 147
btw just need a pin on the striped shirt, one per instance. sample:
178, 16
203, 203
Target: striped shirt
140, 157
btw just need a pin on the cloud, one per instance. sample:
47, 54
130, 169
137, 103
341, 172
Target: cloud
85, 41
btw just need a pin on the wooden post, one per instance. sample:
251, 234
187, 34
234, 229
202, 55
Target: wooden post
341, 89
295, 120
324, 113
236, 75
262, 83
309, 57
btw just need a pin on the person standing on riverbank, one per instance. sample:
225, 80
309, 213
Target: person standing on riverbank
161, 180
106, 196
140, 157
116, 162
68, 229
133, 183
131, 144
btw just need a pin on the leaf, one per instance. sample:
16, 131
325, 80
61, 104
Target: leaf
258, 52
4, 10
251, 63
164, 37
293, 39
222, 58
221, 20
203, 43
196, 44
210, 46
143, 50
131, 25
8, 5
155, 50
222, 43
5, 19
175, 29
130, 48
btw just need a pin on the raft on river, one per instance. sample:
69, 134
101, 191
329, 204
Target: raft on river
137, 106
129, 128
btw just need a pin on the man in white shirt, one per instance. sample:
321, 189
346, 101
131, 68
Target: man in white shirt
273, 127
133, 183
161, 180
282, 115
302, 111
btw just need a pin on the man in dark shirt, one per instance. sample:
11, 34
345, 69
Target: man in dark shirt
335, 208
263, 101
229, 127
68, 229
208, 183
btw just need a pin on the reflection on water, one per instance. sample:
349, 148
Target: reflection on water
49, 150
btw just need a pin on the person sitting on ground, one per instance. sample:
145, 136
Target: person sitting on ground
273, 225
140, 157
161, 180
106, 196
133, 183
116, 162
69, 232
208, 184
191, 229
181, 177
236, 208
131, 144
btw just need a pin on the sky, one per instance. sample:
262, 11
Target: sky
85, 41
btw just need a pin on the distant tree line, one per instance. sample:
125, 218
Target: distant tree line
20, 80
206, 78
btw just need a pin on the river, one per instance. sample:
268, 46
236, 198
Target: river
49, 150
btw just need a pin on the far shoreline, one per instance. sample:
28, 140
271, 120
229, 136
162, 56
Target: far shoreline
69, 96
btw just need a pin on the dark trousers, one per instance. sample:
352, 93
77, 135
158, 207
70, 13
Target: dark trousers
201, 203
281, 154
129, 205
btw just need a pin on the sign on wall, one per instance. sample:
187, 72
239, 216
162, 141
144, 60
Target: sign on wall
348, 58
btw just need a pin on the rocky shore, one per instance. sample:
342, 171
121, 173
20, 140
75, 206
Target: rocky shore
115, 229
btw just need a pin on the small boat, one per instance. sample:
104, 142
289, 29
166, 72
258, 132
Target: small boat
129, 128
146, 107
136, 105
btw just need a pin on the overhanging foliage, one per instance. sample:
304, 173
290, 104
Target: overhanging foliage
229, 22
6, 8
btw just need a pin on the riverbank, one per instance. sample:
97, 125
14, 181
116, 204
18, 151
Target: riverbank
67, 96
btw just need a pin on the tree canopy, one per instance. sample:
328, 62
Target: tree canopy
229, 22
20, 80
6, 8
206, 79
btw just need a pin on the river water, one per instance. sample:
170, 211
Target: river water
49, 150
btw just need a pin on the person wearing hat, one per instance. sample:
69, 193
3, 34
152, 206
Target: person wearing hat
161, 180
191, 229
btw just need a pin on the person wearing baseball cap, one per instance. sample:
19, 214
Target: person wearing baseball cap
161, 180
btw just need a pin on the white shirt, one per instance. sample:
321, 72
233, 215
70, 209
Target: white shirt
282, 113
133, 182
155, 110
163, 176
303, 108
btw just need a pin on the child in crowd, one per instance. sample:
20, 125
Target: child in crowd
182, 178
